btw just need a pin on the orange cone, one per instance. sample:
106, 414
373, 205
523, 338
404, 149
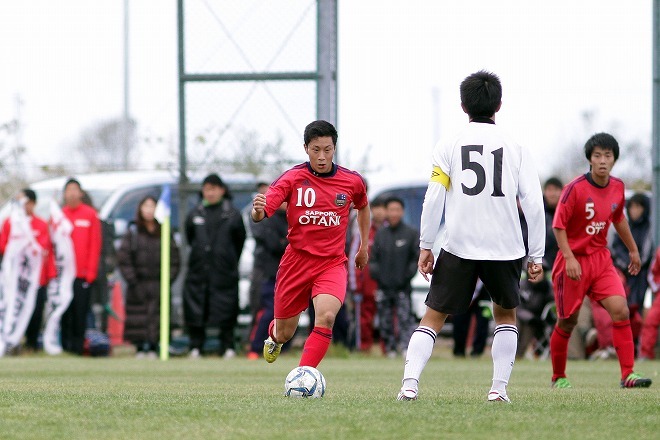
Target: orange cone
116, 322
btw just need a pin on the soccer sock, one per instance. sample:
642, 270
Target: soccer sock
271, 330
559, 352
420, 348
503, 350
624, 346
316, 346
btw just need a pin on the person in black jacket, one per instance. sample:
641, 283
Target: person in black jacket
270, 238
216, 234
393, 265
139, 262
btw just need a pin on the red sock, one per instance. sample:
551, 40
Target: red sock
316, 347
271, 326
624, 346
559, 352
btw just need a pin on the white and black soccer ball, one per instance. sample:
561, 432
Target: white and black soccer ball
304, 382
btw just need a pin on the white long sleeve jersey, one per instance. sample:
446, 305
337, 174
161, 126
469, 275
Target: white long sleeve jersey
476, 180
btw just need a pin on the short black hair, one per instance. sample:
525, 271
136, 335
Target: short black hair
318, 129
378, 201
394, 199
481, 94
603, 140
553, 181
73, 181
31, 195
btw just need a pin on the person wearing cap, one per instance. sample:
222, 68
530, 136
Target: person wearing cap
86, 238
215, 233
42, 236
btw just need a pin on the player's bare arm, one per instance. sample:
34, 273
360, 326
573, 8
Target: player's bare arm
258, 207
573, 268
425, 262
623, 229
364, 221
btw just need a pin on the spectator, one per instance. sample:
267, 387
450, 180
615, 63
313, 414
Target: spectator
480, 310
256, 276
48, 270
361, 283
86, 238
216, 234
639, 213
649, 336
393, 266
534, 296
271, 241
139, 262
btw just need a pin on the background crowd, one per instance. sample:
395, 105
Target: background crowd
378, 317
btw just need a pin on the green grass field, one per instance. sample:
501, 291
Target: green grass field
211, 398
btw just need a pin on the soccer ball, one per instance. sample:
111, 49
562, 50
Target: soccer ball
304, 382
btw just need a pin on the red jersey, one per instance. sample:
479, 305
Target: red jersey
42, 235
586, 210
318, 206
86, 238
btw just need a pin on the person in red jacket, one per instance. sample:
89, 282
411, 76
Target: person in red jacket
649, 335
48, 271
86, 238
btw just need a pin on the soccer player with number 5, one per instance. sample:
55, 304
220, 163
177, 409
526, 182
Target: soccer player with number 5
320, 195
588, 205
477, 179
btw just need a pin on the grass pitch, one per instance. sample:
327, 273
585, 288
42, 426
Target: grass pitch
125, 398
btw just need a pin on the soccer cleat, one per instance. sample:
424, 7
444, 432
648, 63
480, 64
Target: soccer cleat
634, 380
407, 394
561, 382
496, 396
271, 350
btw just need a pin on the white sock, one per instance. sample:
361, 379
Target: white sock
420, 348
505, 343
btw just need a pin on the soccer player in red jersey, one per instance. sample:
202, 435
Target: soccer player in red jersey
320, 195
584, 265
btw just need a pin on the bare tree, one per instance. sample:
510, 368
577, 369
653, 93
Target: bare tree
12, 152
241, 152
109, 145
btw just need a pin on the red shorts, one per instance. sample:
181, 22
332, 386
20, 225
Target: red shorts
599, 281
302, 276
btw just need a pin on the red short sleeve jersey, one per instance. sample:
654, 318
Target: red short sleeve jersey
586, 210
318, 206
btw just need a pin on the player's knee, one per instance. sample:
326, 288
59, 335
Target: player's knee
283, 335
325, 319
620, 314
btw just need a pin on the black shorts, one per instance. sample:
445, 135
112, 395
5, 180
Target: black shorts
455, 278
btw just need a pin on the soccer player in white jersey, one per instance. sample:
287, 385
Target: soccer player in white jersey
477, 177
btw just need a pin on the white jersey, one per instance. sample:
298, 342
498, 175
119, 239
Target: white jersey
476, 181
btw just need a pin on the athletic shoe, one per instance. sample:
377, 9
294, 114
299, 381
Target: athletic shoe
496, 396
271, 350
407, 394
229, 354
561, 382
253, 356
634, 380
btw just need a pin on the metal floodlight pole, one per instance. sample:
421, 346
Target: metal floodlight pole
655, 140
326, 62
